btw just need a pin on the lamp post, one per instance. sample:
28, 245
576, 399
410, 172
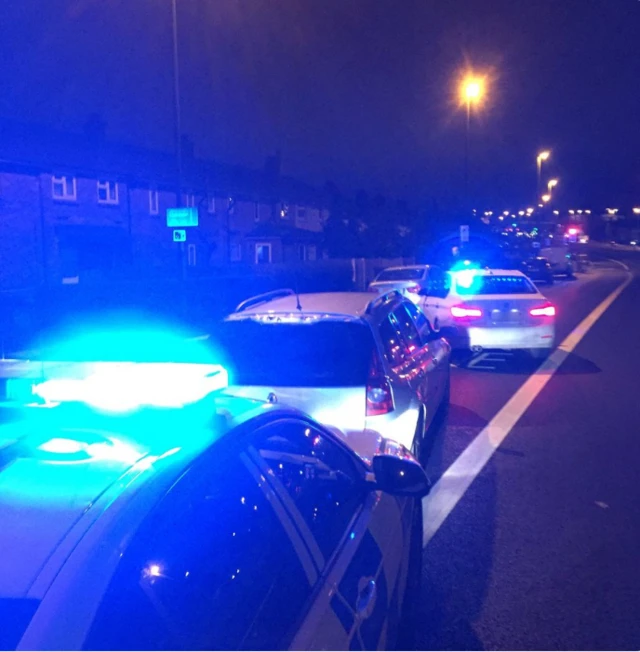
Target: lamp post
176, 100
472, 91
542, 156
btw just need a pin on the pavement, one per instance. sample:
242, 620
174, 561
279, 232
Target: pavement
533, 540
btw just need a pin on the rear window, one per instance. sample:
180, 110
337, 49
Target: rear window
321, 354
400, 275
494, 284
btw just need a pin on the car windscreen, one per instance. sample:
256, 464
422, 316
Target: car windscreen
400, 275
295, 354
494, 284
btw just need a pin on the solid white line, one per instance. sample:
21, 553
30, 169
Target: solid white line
455, 481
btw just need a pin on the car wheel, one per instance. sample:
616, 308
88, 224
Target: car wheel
412, 599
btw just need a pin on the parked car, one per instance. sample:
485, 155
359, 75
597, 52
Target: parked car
232, 525
560, 259
368, 366
538, 269
425, 285
500, 309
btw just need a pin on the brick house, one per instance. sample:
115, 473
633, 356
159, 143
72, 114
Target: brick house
74, 207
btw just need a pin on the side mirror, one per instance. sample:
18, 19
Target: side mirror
398, 473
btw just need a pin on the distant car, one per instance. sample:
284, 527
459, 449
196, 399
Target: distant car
409, 280
560, 259
538, 269
500, 309
229, 525
368, 366
425, 285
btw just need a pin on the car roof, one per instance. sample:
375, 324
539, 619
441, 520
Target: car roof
401, 267
493, 272
351, 304
45, 489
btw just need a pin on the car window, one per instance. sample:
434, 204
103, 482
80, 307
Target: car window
319, 476
393, 344
493, 284
439, 283
297, 353
211, 568
408, 329
420, 320
406, 274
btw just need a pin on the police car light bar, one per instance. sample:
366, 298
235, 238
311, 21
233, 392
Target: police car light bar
127, 386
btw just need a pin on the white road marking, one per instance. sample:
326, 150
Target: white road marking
455, 481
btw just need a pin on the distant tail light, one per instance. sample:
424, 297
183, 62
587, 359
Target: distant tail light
379, 397
464, 312
547, 310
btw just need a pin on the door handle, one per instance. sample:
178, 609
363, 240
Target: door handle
366, 600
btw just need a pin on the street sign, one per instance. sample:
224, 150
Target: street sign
183, 216
464, 233
179, 235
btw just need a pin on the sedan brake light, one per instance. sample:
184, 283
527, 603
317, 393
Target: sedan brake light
462, 312
544, 311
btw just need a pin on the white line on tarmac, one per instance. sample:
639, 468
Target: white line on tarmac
455, 481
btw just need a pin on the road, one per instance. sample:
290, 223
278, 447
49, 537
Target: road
541, 549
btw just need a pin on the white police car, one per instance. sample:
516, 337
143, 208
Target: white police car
208, 522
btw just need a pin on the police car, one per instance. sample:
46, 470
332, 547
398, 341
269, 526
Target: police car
142, 509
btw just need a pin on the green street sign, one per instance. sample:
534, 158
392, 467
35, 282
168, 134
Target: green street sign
184, 216
179, 235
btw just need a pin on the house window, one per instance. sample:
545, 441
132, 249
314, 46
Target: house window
154, 208
107, 192
302, 252
189, 200
191, 255
211, 205
284, 211
235, 253
312, 252
301, 213
63, 188
263, 252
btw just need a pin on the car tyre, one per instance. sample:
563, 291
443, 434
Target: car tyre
412, 599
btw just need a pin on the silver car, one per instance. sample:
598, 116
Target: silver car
370, 367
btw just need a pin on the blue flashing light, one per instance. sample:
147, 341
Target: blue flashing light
127, 386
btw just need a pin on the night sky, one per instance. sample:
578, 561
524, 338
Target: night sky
360, 92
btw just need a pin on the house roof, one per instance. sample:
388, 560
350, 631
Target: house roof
37, 148
288, 234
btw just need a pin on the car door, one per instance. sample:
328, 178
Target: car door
356, 537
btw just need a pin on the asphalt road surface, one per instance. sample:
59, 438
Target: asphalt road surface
535, 542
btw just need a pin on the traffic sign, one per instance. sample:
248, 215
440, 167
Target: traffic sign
183, 216
464, 233
179, 235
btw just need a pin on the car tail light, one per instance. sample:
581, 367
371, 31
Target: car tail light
379, 397
414, 289
543, 311
463, 312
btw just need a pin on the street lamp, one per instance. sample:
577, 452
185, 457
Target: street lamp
552, 183
542, 156
546, 198
472, 91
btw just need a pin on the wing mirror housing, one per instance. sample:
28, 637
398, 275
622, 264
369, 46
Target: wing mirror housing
397, 472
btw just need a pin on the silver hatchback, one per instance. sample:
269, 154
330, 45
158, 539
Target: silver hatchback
370, 367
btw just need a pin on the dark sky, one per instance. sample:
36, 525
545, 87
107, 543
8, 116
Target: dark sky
361, 92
